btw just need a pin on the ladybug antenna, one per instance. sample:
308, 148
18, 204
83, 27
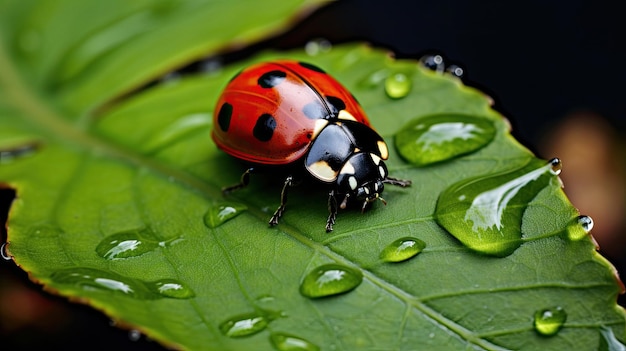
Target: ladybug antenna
344, 203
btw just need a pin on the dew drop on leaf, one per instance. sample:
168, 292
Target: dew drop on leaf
402, 249
440, 138
127, 244
608, 341
485, 213
134, 335
398, 85
244, 325
455, 70
586, 223
549, 321
580, 228
317, 46
330, 279
220, 213
433, 62
4, 251
171, 288
286, 342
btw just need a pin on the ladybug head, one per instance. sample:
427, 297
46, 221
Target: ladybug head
361, 179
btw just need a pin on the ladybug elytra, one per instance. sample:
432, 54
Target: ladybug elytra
294, 117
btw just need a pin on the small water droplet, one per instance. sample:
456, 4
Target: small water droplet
330, 279
244, 325
549, 321
171, 288
438, 138
127, 244
455, 70
608, 341
286, 342
433, 62
317, 46
211, 66
92, 279
134, 335
17, 152
580, 228
4, 251
398, 85
586, 223
222, 212
485, 213
402, 249
556, 166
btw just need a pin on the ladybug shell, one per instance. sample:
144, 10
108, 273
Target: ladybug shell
271, 112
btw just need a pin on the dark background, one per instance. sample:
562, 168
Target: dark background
539, 60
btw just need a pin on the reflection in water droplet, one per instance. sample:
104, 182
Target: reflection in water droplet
317, 46
244, 325
433, 62
549, 321
455, 70
330, 279
4, 251
222, 212
608, 341
134, 335
485, 213
402, 249
91, 279
438, 138
580, 228
286, 342
127, 244
398, 85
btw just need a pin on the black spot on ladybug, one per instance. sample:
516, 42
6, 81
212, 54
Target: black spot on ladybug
264, 127
314, 110
311, 67
336, 104
224, 116
272, 79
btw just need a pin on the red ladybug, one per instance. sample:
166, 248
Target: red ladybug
294, 117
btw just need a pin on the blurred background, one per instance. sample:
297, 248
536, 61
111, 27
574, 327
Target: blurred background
555, 69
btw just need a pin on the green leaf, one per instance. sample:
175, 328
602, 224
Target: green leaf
119, 203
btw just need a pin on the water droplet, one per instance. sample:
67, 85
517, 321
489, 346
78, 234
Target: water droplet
549, 321
4, 251
485, 213
211, 66
134, 335
556, 166
402, 249
439, 138
91, 279
17, 152
330, 279
286, 342
398, 85
171, 288
433, 62
586, 223
317, 46
455, 70
580, 228
127, 244
608, 341
244, 325
176, 132
222, 212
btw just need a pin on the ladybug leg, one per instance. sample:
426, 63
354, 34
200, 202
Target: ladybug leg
398, 182
243, 182
283, 201
332, 209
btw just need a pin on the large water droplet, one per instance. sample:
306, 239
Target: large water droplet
441, 137
222, 212
402, 249
580, 228
330, 279
549, 321
317, 46
485, 213
286, 342
244, 325
608, 341
127, 244
455, 70
4, 251
398, 85
91, 279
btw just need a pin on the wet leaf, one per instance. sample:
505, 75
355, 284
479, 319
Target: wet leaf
119, 203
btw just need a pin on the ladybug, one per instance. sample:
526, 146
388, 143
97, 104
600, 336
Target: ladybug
296, 120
